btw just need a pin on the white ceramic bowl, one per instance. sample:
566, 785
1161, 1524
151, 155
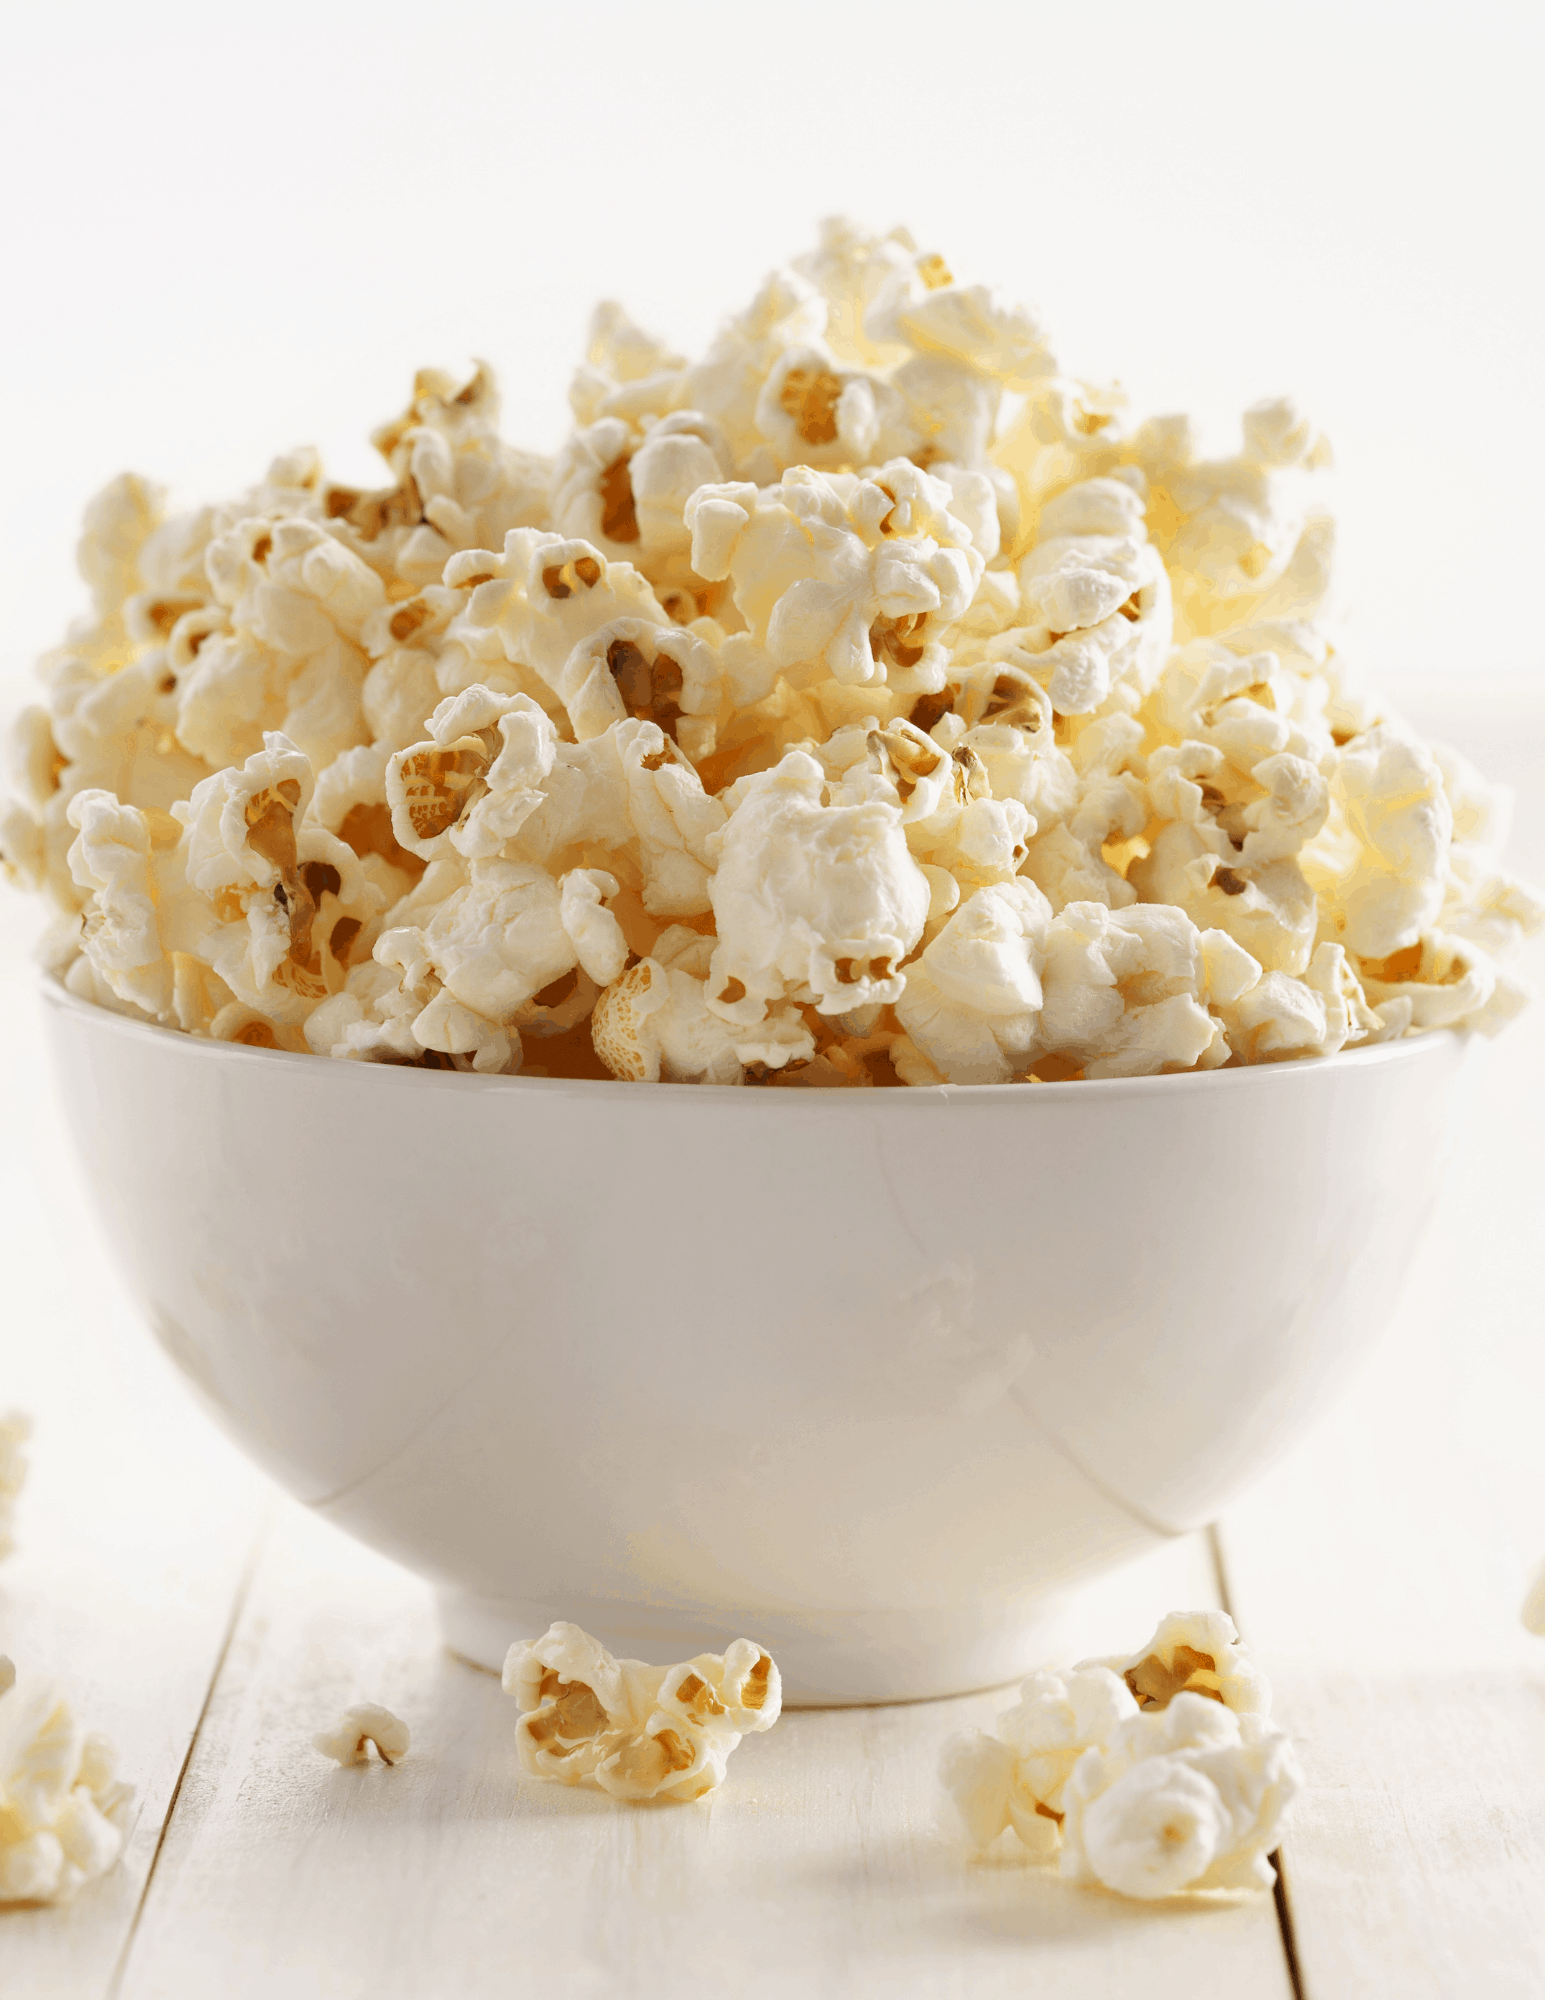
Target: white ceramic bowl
870, 1376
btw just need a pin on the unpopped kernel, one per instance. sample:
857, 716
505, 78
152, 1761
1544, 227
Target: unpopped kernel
1150, 1774
869, 702
635, 1731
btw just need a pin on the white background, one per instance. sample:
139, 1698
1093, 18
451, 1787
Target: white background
232, 229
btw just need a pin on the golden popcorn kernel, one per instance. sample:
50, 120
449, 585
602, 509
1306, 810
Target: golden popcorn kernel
588, 570
271, 824
1399, 967
1155, 1685
163, 829
619, 516
262, 548
1055, 1069
934, 272
1089, 423
575, 1716
164, 613
648, 691
341, 942
810, 398
1130, 608
891, 638
1045, 1812
256, 1035
696, 1696
405, 623
367, 828
437, 783
1229, 882
754, 1693
1256, 560
321, 878
971, 779
553, 583
556, 991
734, 992
678, 1757
931, 708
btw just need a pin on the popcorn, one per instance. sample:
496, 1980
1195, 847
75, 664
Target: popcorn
1532, 1610
631, 1730
15, 1429
360, 1727
1152, 1775
63, 1814
1192, 1797
1195, 1652
866, 702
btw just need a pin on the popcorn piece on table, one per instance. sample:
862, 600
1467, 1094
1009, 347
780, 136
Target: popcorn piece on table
632, 1730
63, 1815
359, 1727
1150, 1775
1532, 1610
1192, 1796
15, 1429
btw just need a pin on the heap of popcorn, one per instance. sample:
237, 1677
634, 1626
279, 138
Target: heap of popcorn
867, 702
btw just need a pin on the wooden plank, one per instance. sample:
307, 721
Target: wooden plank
819, 1869
133, 1529
1380, 1572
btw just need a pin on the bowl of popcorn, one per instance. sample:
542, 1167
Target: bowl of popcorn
868, 722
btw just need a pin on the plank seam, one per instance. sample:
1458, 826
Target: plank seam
238, 1605
1279, 1892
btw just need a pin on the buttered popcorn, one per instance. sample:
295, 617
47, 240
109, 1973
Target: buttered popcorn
869, 702
1149, 1775
635, 1731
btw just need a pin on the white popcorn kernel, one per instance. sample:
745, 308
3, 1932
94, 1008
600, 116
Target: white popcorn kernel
1188, 1797
1392, 823
635, 1731
977, 1772
360, 1727
63, 1814
811, 900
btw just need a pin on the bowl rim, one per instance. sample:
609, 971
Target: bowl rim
1270, 1075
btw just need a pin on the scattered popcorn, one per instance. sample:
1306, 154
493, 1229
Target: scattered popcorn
1149, 1775
869, 702
63, 1815
635, 1731
15, 1429
360, 1727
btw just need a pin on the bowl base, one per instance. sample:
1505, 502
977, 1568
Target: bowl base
834, 1659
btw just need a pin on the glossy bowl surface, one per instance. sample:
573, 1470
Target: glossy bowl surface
870, 1376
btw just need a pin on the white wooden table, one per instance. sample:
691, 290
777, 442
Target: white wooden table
209, 1628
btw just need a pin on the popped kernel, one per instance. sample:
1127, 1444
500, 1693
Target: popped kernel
911, 675
632, 1730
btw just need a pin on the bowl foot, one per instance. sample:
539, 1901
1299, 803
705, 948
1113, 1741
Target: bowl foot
828, 1659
